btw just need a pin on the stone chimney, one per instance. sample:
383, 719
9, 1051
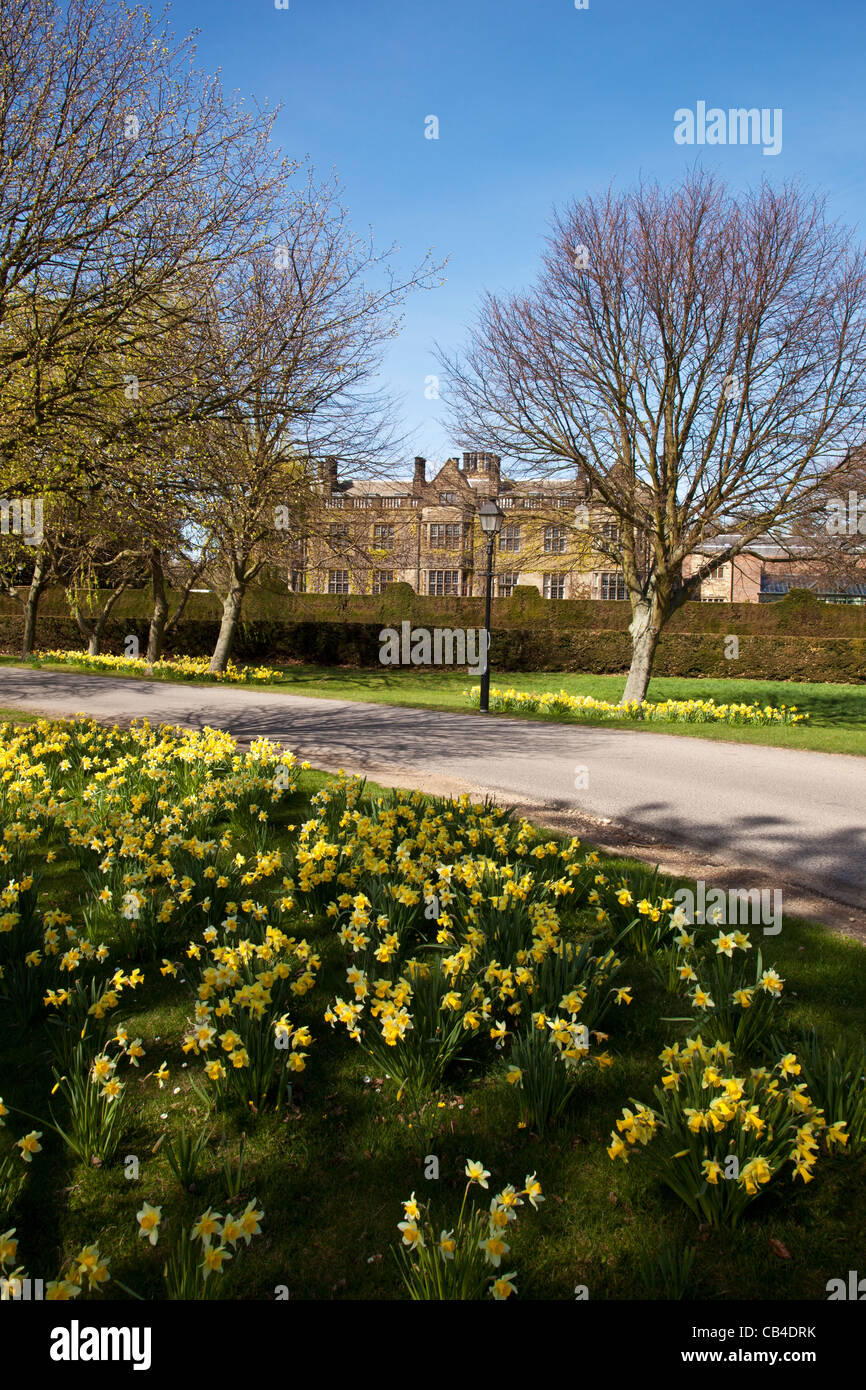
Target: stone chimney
330, 473
420, 478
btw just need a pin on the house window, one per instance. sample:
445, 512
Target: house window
610, 531
555, 540
448, 499
445, 583
509, 538
297, 582
381, 580
338, 532
554, 586
505, 584
383, 537
338, 581
718, 572
446, 536
611, 585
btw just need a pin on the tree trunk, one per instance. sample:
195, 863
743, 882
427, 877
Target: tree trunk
83, 626
178, 613
31, 603
231, 612
99, 625
159, 615
645, 630
93, 629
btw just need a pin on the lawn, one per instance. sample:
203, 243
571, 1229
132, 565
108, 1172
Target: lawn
837, 713
332, 1164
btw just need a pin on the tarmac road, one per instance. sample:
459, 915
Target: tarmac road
798, 814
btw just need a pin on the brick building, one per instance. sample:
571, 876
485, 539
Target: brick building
766, 571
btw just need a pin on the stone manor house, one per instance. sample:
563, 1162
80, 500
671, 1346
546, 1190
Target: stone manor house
424, 531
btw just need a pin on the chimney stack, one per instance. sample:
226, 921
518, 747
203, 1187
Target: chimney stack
420, 478
330, 473
492, 465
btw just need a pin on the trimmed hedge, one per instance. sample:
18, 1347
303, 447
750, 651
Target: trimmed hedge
799, 613
799, 638
761, 656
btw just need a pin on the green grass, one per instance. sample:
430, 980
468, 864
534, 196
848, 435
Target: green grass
16, 716
837, 722
332, 1174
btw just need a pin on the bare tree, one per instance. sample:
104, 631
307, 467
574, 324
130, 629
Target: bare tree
301, 339
701, 357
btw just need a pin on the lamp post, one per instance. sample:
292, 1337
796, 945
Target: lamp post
491, 519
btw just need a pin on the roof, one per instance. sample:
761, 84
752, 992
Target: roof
379, 487
782, 584
762, 545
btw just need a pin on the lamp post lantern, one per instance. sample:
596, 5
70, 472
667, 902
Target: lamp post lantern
491, 519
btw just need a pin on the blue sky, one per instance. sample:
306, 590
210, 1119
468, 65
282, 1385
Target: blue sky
538, 103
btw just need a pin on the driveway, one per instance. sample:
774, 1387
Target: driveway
798, 817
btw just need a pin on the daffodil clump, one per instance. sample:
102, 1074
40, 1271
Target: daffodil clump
202, 1250
137, 810
835, 1075
733, 996
182, 667
173, 836
470, 1260
546, 1063
667, 711
86, 1271
720, 1135
638, 906
241, 1023
85, 1068
452, 919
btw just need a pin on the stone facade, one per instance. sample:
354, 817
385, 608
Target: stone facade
366, 534
425, 532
